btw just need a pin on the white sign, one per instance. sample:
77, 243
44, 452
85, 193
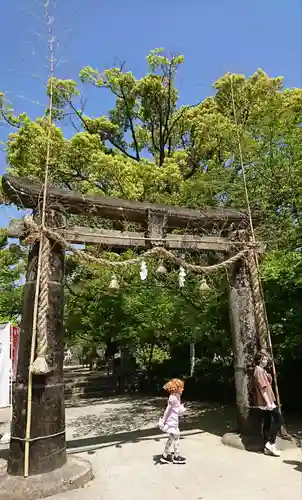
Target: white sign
5, 366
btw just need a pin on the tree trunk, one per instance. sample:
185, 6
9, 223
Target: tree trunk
245, 345
150, 360
47, 445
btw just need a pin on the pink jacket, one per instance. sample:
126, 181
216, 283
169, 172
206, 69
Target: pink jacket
169, 423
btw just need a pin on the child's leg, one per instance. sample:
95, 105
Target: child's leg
168, 445
177, 459
176, 440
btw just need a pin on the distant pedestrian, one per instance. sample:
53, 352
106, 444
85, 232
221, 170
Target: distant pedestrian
117, 369
67, 357
169, 423
266, 401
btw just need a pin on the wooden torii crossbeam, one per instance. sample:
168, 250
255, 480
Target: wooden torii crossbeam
47, 442
117, 240
26, 194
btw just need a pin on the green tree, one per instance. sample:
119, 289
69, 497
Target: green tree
149, 147
11, 271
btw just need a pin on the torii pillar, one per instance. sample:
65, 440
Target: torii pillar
245, 344
47, 449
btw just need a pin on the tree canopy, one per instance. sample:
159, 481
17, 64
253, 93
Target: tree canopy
11, 271
151, 147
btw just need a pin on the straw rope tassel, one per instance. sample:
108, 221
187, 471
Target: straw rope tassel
40, 365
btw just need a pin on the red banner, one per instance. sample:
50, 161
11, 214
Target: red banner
15, 333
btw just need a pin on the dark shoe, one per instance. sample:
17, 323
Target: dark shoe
166, 460
179, 460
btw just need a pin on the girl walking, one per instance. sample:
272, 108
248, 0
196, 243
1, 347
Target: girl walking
169, 423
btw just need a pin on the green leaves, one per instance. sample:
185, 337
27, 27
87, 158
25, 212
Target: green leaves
12, 267
149, 148
63, 91
7, 113
158, 61
145, 109
283, 267
26, 150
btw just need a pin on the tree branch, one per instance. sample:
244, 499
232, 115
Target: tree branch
130, 118
161, 147
153, 137
166, 130
120, 148
106, 136
10, 122
181, 292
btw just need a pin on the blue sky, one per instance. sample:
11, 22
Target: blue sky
215, 36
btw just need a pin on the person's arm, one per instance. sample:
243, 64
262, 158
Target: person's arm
182, 410
265, 397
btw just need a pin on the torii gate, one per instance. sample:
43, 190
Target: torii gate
47, 440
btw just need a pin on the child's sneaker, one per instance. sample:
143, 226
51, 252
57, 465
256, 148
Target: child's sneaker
179, 460
166, 459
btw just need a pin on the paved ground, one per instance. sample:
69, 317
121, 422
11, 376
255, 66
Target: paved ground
119, 437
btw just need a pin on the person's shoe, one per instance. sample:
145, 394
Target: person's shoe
166, 459
276, 452
272, 449
179, 460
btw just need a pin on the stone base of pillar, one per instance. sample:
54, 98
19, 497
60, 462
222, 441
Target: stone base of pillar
75, 473
255, 444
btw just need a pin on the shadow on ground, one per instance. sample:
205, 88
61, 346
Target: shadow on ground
120, 419
93, 401
156, 460
114, 421
123, 419
294, 463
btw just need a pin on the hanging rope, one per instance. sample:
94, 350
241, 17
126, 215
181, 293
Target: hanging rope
35, 233
45, 234
40, 365
253, 260
258, 302
260, 309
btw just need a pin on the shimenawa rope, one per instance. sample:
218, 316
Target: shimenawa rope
36, 232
